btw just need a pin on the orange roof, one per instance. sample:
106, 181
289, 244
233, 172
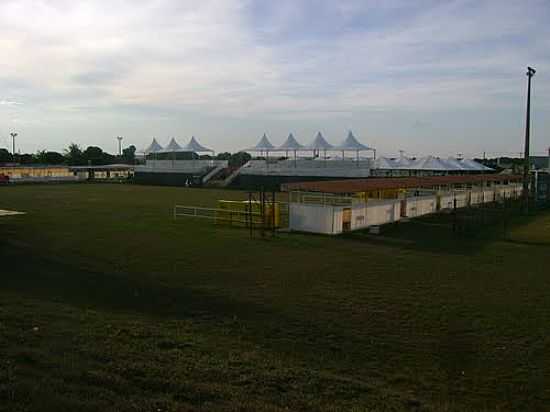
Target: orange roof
378, 183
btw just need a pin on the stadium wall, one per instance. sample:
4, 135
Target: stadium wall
167, 179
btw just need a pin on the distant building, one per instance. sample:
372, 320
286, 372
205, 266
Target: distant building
103, 172
60, 173
37, 173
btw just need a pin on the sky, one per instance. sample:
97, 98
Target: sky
427, 77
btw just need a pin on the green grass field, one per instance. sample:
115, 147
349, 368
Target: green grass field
108, 304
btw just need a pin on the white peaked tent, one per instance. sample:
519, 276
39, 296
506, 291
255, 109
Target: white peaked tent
455, 164
473, 165
264, 145
351, 144
291, 144
195, 146
385, 163
319, 143
154, 147
173, 147
428, 163
403, 162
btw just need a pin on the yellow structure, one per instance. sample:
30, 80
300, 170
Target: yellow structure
241, 212
382, 194
21, 172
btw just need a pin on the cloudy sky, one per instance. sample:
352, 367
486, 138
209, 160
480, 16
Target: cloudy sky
423, 76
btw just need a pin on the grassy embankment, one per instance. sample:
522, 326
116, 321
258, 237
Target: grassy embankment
106, 303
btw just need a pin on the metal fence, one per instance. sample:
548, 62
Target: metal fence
219, 215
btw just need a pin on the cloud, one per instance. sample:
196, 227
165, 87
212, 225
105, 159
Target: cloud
9, 103
175, 63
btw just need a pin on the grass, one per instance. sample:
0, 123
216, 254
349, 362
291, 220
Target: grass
107, 303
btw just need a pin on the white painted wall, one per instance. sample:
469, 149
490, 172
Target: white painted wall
461, 199
311, 218
504, 192
420, 205
380, 212
359, 217
446, 201
327, 219
337, 218
488, 195
476, 197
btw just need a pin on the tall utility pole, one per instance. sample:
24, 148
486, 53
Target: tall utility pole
13, 136
526, 163
119, 138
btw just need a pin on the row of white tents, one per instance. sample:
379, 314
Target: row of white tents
350, 143
174, 147
430, 163
319, 143
265, 146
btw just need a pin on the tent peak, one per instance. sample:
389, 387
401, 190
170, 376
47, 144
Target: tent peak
263, 145
195, 146
351, 143
290, 144
319, 143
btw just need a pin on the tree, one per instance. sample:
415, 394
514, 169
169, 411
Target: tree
74, 155
239, 159
25, 159
94, 155
5, 156
129, 154
223, 156
48, 158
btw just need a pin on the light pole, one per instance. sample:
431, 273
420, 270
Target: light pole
119, 138
526, 164
13, 136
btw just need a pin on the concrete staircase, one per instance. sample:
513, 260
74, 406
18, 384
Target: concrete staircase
227, 180
212, 173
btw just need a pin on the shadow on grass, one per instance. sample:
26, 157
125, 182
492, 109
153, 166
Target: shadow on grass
434, 234
41, 277
526, 242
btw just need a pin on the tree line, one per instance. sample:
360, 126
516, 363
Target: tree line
74, 155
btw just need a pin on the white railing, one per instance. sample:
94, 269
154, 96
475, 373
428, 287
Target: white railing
180, 166
219, 215
320, 198
335, 168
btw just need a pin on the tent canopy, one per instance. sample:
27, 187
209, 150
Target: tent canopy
473, 165
154, 147
263, 145
195, 146
351, 143
428, 163
319, 143
385, 163
403, 162
455, 164
290, 144
173, 147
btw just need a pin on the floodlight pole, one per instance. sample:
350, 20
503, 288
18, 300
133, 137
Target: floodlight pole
526, 164
13, 136
119, 138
